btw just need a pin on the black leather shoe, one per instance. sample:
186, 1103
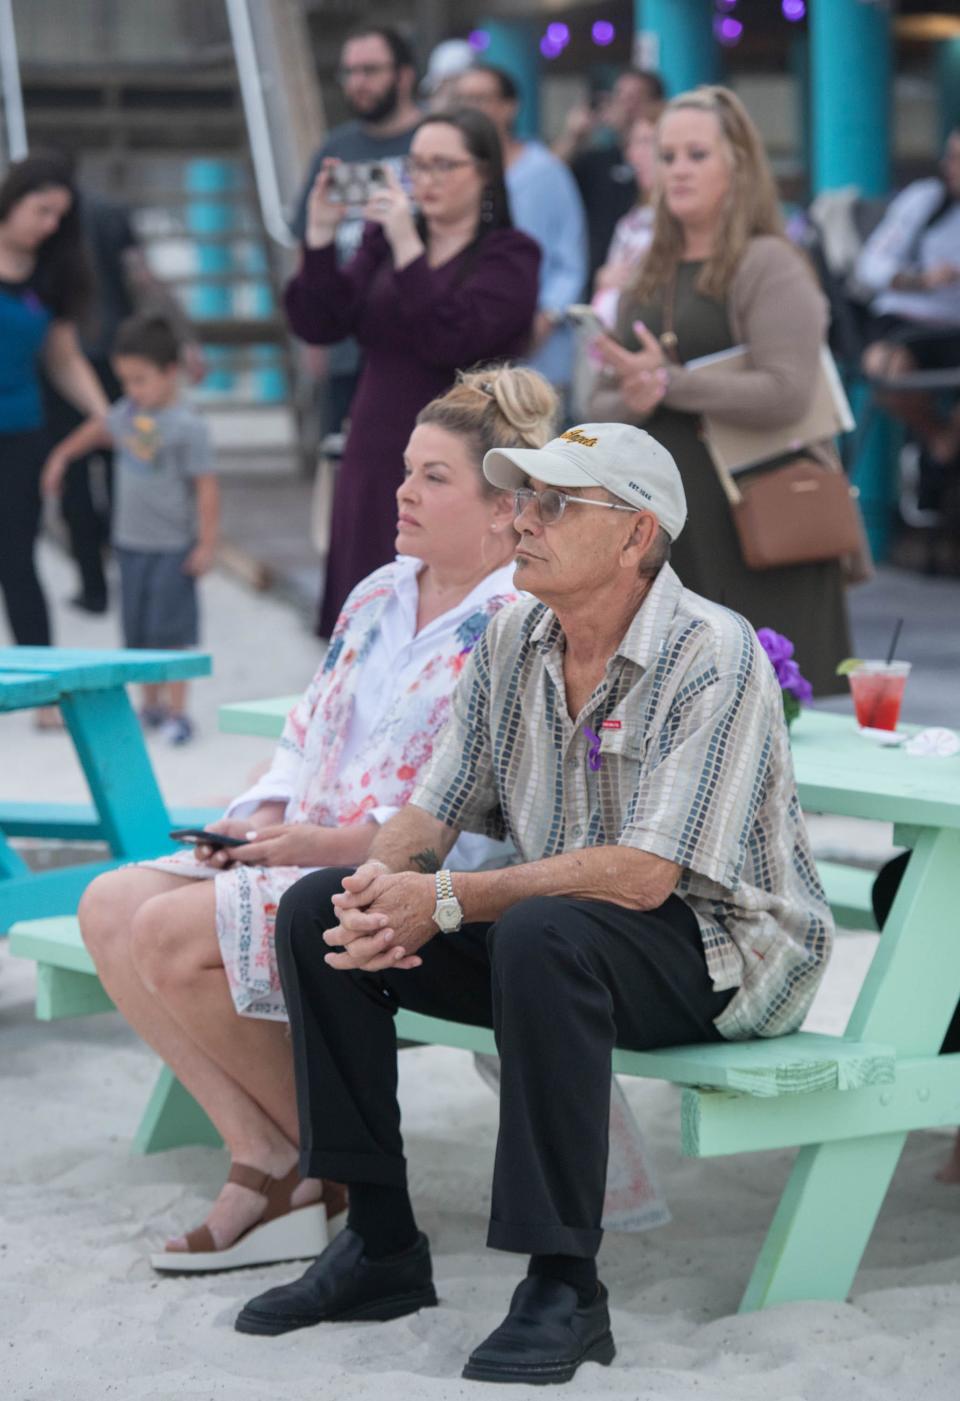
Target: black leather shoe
545, 1336
343, 1285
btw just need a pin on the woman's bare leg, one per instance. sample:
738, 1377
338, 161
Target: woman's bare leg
113, 922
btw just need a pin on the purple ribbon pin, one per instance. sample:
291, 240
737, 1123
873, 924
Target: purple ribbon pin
594, 758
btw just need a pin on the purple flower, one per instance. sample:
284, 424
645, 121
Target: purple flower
788, 674
777, 647
780, 651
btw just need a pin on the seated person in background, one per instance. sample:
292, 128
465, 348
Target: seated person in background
185, 943
628, 736
911, 264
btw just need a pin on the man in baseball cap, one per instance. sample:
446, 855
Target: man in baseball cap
629, 737
624, 460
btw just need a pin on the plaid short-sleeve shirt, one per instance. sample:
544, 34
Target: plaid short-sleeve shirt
694, 767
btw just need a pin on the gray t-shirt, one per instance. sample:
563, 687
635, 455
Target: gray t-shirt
157, 456
350, 142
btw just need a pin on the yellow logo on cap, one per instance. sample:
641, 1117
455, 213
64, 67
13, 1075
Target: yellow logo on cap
573, 435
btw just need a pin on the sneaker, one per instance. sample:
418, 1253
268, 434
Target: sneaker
178, 729
153, 716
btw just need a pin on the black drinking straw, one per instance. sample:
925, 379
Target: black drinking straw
894, 640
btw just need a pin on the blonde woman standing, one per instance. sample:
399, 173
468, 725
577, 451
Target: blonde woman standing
719, 273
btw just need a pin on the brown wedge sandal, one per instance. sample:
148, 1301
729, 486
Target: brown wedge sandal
283, 1232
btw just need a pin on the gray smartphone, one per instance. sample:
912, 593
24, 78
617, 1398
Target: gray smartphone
353, 182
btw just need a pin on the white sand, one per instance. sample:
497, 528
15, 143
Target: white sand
83, 1317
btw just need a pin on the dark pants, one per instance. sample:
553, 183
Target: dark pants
21, 460
87, 492
561, 981
87, 488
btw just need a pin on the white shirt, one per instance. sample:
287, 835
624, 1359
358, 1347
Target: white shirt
397, 656
894, 247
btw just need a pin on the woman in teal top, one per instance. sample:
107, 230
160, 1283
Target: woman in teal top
43, 288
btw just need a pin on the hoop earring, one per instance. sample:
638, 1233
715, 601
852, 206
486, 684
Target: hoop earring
486, 207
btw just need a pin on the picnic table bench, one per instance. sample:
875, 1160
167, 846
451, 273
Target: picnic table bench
128, 811
846, 1102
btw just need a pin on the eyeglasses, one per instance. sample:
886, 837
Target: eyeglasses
550, 504
439, 168
363, 70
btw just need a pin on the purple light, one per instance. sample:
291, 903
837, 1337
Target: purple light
727, 31
478, 39
793, 10
603, 32
550, 48
726, 4
558, 33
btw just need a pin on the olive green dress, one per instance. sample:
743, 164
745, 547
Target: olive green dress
804, 601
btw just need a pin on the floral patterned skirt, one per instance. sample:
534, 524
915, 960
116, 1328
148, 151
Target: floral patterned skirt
246, 903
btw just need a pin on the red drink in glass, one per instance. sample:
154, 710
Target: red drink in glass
877, 690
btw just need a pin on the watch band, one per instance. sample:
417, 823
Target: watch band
444, 883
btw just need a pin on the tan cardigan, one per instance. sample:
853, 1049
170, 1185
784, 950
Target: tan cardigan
779, 313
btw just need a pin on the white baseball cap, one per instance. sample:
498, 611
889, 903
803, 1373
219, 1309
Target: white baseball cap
448, 60
625, 460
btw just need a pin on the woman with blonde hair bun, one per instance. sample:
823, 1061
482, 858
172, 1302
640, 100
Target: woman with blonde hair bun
184, 944
720, 273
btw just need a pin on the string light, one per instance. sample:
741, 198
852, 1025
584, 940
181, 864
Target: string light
727, 31
478, 39
603, 32
793, 10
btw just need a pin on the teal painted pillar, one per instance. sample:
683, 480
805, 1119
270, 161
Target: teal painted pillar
850, 89
687, 54
516, 47
948, 82
850, 63
798, 59
211, 178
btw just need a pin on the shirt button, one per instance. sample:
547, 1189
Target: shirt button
578, 830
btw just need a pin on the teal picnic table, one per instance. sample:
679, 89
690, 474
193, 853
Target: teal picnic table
128, 811
850, 1124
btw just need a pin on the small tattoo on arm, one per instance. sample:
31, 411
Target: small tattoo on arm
426, 861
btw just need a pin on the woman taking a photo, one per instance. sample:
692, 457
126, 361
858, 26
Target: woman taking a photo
721, 273
185, 943
427, 293
43, 289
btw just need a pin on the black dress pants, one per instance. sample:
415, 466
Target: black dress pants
561, 981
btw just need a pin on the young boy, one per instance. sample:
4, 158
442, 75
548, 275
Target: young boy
166, 503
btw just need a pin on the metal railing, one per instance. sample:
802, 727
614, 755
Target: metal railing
258, 126
15, 126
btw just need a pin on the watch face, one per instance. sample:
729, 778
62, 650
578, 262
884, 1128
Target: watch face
448, 914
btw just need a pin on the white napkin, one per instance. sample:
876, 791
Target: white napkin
935, 743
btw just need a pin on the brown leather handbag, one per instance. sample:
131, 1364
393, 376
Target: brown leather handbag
801, 510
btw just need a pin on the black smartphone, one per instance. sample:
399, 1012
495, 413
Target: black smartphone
196, 836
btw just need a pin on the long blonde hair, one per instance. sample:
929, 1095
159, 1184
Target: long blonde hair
500, 406
751, 207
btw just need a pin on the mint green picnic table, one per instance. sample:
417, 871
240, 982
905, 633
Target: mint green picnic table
128, 811
851, 1126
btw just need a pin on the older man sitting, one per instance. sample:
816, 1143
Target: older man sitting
629, 737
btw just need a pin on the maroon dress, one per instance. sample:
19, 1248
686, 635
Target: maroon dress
416, 328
